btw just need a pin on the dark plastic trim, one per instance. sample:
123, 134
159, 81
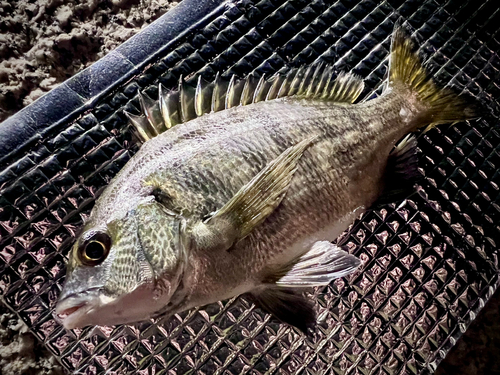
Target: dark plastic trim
80, 92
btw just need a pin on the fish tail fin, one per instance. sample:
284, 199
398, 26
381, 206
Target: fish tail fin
436, 105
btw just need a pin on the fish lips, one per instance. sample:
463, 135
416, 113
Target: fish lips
72, 309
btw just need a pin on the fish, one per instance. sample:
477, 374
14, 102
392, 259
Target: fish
240, 187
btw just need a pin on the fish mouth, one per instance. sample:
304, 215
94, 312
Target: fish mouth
69, 314
71, 310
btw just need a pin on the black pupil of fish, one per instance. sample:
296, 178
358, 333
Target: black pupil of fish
94, 250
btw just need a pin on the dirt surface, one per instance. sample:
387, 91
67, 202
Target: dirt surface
44, 42
21, 352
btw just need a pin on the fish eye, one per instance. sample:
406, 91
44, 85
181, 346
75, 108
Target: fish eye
94, 248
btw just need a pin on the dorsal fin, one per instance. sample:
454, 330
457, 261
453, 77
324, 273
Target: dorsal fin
186, 102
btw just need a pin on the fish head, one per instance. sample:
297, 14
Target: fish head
124, 270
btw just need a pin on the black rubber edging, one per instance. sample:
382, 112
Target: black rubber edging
82, 91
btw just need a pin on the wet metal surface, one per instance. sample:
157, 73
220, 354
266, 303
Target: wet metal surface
429, 263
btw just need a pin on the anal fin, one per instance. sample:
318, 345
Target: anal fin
323, 263
286, 305
401, 173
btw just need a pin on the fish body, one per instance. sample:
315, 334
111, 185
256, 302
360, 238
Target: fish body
247, 199
209, 159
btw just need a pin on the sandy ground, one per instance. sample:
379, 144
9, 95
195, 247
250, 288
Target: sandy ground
21, 353
44, 42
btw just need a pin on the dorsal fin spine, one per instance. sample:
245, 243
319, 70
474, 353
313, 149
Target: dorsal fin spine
257, 96
230, 92
248, 90
277, 81
198, 98
215, 93
305, 81
186, 98
313, 82
294, 86
234, 92
219, 94
172, 106
139, 126
285, 86
150, 109
163, 107
324, 82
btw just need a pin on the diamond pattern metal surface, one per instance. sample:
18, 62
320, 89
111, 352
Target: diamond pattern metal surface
428, 263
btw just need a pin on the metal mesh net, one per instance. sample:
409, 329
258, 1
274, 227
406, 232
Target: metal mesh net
429, 263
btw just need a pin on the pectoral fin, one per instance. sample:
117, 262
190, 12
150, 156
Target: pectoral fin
253, 203
286, 305
319, 266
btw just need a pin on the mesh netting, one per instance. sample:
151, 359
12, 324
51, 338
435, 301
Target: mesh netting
429, 263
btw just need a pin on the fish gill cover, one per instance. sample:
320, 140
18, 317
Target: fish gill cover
429, 263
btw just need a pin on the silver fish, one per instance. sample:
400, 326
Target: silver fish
246, 193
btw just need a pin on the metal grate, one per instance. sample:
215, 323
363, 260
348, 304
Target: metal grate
429, 263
